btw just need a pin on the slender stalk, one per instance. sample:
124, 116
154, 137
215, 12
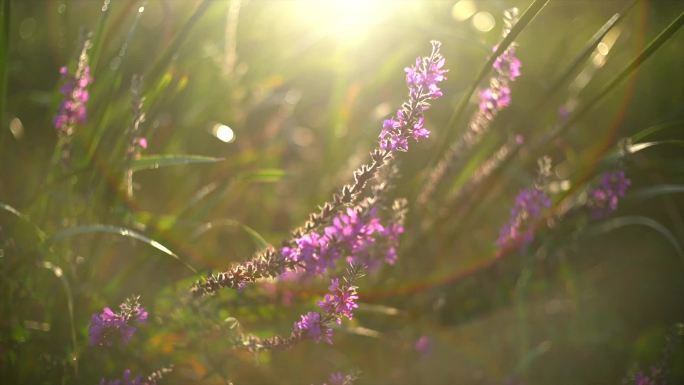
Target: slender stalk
457, 115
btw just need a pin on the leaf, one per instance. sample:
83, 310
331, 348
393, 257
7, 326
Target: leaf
151, 162
641, 146
266, 175
4, 54
59, 273
652, 47
41, 234
654, 191
653, 129
122, 231
616, 223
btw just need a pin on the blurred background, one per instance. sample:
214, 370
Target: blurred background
291, 95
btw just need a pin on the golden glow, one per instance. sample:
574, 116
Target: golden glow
463, 9
343, 19
483, 21
223, 133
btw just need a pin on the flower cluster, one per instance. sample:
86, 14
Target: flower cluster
313, 326
339, 378
423, 81
339, 302
603, 199
528, 208
497, 95
108, 327
72, 110
329, 234
353, 234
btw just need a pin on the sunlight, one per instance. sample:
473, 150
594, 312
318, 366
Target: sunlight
345, 20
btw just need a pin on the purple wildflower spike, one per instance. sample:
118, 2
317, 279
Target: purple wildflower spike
340, 301
603, 199
528, 208
313, 327
109, 327
72, 110
127, 379
422, 80
339, 378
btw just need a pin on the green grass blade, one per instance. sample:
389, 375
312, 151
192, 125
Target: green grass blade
257, 238
59, 273
151, 162
41, 234
122, 231
654, 191
577, 62
99, 32
4, 55
652, 47
457, 115
655, 128
165, 58
642, 146
616, 223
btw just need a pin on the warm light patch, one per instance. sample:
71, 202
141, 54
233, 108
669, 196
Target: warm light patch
463, 10
223, 133
483, 21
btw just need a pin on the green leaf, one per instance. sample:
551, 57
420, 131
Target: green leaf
654, 191
151, 162
616, 223
653, 129
266, 175
41, 234
122, 231
641, 146
652, 47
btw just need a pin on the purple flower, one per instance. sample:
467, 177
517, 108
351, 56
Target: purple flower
528, 208
126, 380
313, 327
339, 378
72, 110
340, 301
423, 345
422, 81
359, 237
494, 99
109, 327
603, 199
508, 64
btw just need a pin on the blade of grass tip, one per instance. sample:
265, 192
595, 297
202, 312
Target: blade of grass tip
59, 273
41, 234
619, 222
4, 54
580, 59
652, 47
655, 128
457, 115
165, 58
122, 231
